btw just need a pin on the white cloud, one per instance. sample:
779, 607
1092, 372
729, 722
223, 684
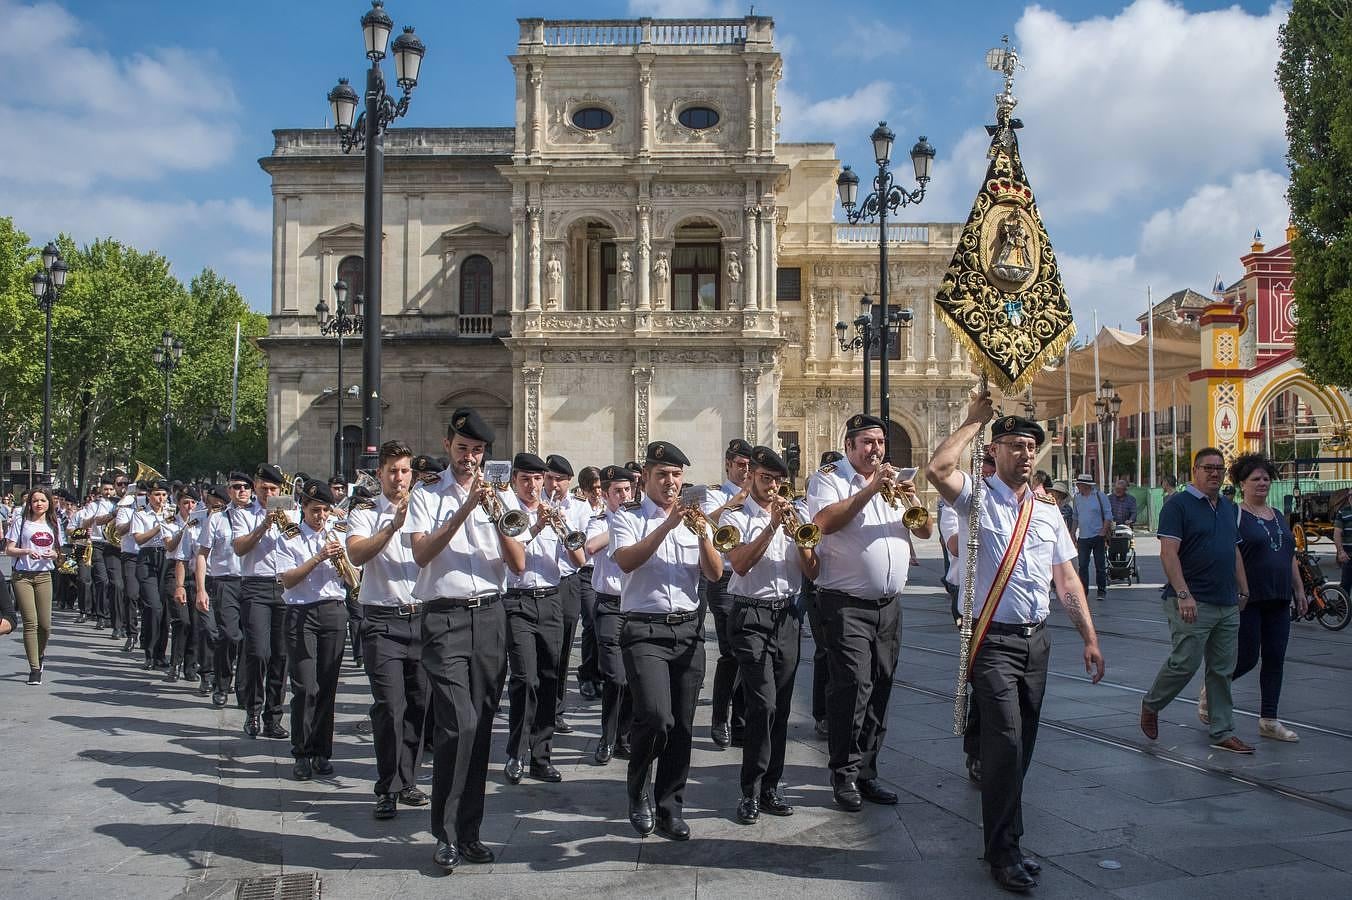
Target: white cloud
805, 119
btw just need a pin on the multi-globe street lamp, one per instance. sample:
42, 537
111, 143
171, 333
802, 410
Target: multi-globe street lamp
1106, 407
887, 197
166, 356
340, 324
365, 133
47, 286
873, 329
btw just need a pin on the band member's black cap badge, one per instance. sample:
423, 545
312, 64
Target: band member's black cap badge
665, 453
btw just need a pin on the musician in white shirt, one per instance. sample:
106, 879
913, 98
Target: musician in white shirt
617, 710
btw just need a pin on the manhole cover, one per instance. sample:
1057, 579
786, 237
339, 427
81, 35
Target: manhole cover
300, 886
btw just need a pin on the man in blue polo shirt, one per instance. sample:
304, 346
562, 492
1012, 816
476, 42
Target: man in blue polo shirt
1206, 589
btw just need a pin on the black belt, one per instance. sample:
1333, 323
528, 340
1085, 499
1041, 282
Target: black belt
441, 604
774, 605
531, 593
675, 618
1016, 629
586, 570
608, 599
151, 551
404, 610
842, 597
261, 579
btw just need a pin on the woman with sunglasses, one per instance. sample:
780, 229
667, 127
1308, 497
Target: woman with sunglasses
32, 541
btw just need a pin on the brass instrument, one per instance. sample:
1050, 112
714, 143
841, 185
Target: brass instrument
289, 529
915, 516
572, 540
805, 534
110, 533
146, 473
350, 574
65, 560
509, 522
83, 540
726, 538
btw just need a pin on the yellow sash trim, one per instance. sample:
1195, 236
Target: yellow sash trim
1006, 569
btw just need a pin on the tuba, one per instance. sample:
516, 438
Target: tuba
146, 473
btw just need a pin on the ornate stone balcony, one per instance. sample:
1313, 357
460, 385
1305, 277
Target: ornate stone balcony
627, 33
531, 323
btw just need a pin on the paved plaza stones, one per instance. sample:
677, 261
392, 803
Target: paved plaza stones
122, 786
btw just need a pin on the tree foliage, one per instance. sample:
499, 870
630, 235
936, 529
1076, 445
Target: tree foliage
1315, 74
106, 392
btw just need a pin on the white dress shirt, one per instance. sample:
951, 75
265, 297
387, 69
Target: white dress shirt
187, 545
144, 520
214, 543
471, 565
714, 497
262, 561
870, 557
388, 577
101, 507
124, 517
669, 580
1047, 544
777, 575
544, 559
948, 526
606, 575
321, 584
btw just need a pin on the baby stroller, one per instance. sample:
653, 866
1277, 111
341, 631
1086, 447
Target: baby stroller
1122, 556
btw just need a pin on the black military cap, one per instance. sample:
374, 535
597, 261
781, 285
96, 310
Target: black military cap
269, 473
468, 423
427, 465
831, 456
665, 453
769, 459
559, 465
337, 478
220, 493
63, 494
528, 462
237, 475
1017, 426
361, 492
612, 474
634, 466
737, 447
317, 491
160, 485
108, 478
863, 422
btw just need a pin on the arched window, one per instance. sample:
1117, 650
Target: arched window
352, 270
476, 286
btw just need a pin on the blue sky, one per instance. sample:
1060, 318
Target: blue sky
1154, 135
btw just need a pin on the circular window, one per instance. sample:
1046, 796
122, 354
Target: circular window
698, 117
593, 118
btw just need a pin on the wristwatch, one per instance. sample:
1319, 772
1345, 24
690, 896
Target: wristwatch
1183, 595
1242, 595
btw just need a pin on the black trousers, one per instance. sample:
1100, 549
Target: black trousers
150, 584
84, 585
262, 670
228, 601
821, 669
726, 691
131, 594
665, 667
534, 645
392, 656
1009, 678
766, 643
617, 708
587, 669
570, 606
465, 654
107, 573
864, 640
206, 630
315, 636
178, 617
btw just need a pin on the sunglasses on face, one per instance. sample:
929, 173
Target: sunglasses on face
1211, 468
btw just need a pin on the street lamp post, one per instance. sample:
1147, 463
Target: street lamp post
47, 287
365, 132
873, 329
340, 324
886, 197
166, 356
1106, 407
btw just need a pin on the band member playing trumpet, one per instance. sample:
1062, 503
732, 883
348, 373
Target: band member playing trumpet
586, 504
208, 636
151, 528
662, 547
219, 576
128, 552
617, 710
107, 568
768, 571
177, 546
558, 478
464, 557
865, 559
535, 625
391, 635
727, 693
316, 629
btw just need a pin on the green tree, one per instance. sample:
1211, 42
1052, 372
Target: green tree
1315, 74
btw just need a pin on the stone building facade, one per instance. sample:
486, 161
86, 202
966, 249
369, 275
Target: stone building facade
637, 258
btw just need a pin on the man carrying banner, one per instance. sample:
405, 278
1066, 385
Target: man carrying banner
1024, 545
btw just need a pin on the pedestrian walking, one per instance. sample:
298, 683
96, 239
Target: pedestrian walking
1093, 521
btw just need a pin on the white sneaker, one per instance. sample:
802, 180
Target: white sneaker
1275, 730
1203, 711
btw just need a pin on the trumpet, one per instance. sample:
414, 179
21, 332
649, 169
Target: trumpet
84, 542
805, 534
289, 529
915, 516
509, 522
350, 574
572, 540
726, 538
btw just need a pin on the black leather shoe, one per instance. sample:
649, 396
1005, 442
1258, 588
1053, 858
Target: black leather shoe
1013, 878
748, 811
974, 770
411, 796
604, 753
203, 687
771, 802
545, 773
1032, 866
301, 769
475, 852
623, 750
148, 665
561, 726
275, 730
190, 673
172, 674
81, 619
673, 827
513, 770
721, 733
126, 646
872, 790
322, 766
252, 726
218, 699
738, 739
847, 794
587, 690
386, 807
447, 857
641, 814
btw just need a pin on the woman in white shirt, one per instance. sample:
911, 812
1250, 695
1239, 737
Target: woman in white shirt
33, 539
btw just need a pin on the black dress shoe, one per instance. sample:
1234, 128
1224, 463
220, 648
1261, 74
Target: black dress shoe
561, 726
513, 770
126, 646
721, 733
275, 730
588, 690
748, 811
81, 619
411, 796
1013, 878
771, 802
172, 674
322, 766
847, 794
872, 790
301, 769
447, 857
190, 673
545, 773
604, 753
475, 852
641, 814
974, 769
203, 687
1032, 866
386, 807
252, 726
218, 699
623, 750
148, 664
673, 827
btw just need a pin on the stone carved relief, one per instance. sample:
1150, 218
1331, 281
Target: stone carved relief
699, 357
532, 377
698, 189
671, 128
661, 276
554, 277
561, 122
749, 379
604, 190
579, 323
581, 356
643, 378
626, 280
696, 322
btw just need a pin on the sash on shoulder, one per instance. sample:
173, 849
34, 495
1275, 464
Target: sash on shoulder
1001, 580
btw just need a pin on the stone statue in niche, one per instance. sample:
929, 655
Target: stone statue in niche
626, 280
554, 275
662, 275
734, 277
